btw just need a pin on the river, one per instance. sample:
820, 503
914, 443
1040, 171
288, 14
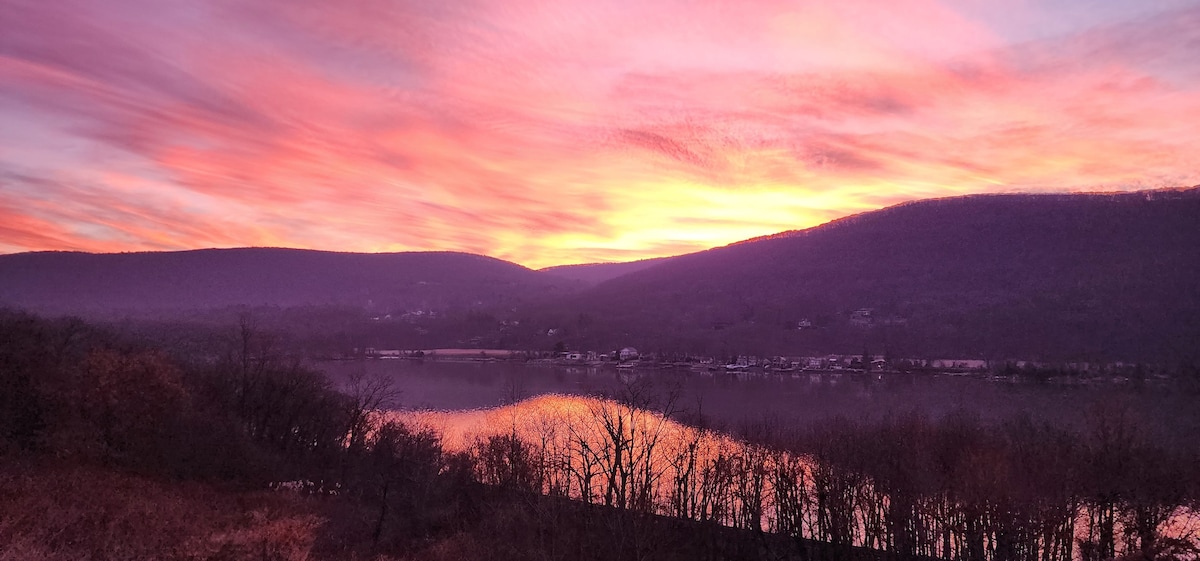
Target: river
580, 445
730, 399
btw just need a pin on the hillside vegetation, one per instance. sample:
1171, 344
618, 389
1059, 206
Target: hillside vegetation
592, 274
996, 276
1041, 277
381, 283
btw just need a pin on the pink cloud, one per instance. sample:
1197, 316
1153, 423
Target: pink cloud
550, 132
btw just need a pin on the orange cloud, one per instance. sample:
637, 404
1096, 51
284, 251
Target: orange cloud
547, 133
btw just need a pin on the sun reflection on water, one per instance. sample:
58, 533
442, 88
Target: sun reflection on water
607, 452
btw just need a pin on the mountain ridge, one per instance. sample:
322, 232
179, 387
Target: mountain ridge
1084, 276
64, 282
968, 269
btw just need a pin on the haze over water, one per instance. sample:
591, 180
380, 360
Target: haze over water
731, 400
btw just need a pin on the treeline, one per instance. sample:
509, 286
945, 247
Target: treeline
110, 416
907, 487
85, 394
615, 479
962, 489
72, 394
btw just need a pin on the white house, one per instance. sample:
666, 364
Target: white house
628, 353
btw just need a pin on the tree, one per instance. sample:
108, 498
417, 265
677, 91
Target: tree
130, 399
399, 479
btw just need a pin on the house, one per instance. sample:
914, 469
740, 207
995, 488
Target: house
385, 353
574, 355
958, 364
628, 353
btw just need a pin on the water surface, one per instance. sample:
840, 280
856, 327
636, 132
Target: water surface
730, 399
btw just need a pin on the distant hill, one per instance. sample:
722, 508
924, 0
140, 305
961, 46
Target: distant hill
1053, 276
596, 273
96, 284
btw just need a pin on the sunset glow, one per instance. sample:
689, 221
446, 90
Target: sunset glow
564, 132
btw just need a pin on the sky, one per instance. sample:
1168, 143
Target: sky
570, 131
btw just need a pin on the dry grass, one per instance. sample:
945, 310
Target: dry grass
76, 513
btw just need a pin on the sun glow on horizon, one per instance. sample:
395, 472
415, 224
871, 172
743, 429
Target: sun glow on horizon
573, 132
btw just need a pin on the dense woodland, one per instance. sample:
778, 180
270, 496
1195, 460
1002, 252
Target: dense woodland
115, 449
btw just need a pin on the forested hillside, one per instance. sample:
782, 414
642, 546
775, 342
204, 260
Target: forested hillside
383, 283
1050, 277
996, 276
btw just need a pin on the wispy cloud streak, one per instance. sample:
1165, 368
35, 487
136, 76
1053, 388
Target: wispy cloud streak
552, 132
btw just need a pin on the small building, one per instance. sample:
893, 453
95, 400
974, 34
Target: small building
958, 364
862, 316
628, 353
